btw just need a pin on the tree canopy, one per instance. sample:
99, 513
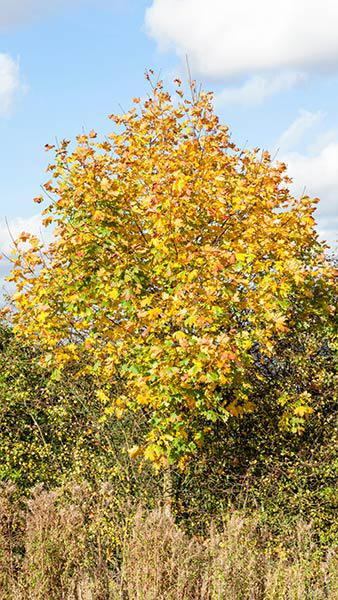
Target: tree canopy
177, 258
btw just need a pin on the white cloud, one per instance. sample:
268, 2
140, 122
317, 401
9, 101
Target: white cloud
317, 176
226, 39
319, 173
15, 12
259, 87
9, 82
295, 132
322, 140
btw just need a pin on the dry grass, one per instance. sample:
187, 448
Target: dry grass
71, 545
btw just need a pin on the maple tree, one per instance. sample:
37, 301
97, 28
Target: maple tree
176, 255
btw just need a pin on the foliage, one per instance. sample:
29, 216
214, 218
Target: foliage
176, 260
258, 461
250, 464
53, 428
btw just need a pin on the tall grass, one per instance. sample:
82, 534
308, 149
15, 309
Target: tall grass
73, 544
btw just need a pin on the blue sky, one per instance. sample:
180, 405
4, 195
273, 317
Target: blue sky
66, 64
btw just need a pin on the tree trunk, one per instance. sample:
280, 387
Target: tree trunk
167, 490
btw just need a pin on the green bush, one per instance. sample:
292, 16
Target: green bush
53, 429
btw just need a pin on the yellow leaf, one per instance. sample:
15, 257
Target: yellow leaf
301, 411
102, 396
134, 451
114, 293
179, 183
153, 452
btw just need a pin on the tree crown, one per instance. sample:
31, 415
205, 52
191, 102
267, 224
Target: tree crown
175, 255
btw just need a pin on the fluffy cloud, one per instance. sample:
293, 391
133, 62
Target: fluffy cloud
318, 172
315, 171
269, 47
225, 39
9, 82
15, 12
256, 89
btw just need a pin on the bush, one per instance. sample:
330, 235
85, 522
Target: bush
52, 430
53, 427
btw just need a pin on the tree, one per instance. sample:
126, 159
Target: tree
176, 257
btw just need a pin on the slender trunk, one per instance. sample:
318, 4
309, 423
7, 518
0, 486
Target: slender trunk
167, 489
